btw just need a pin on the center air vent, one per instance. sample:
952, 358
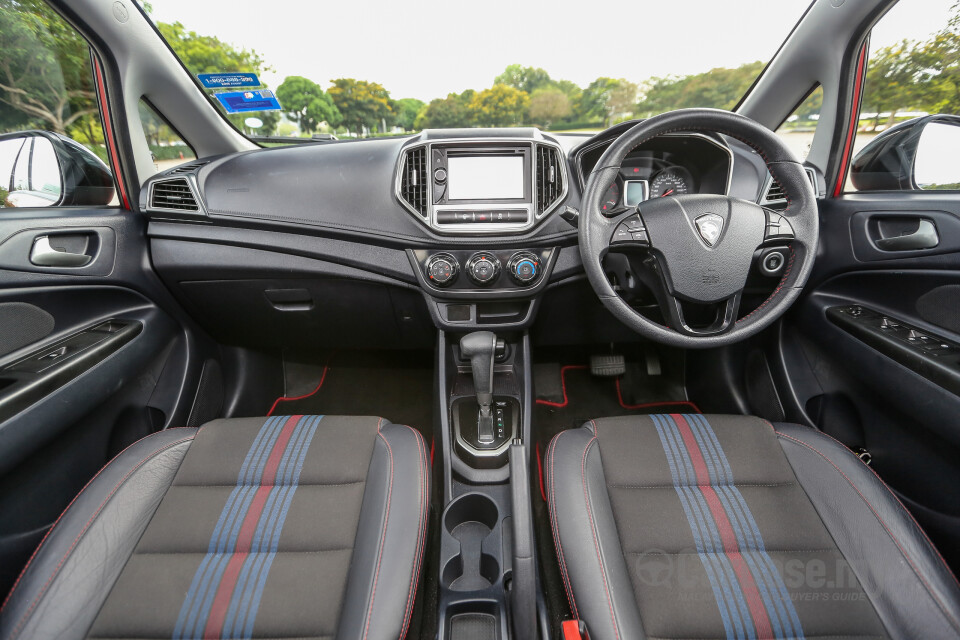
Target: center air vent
173, 195
549, 178
413, 180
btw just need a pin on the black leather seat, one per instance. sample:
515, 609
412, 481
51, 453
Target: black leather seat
285, 527
690, 526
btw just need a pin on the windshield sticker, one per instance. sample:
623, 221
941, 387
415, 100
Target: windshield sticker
228, 80
244, 101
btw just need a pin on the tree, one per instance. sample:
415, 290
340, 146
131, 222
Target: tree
527, 79
548, 106
208, 54
363, 104
621, 100
719, 88
446, 113
305, 103
405, 112
592, 104
499, 106
45, 74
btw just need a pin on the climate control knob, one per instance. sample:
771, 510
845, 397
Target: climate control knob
483, 268
524, 267
441, 269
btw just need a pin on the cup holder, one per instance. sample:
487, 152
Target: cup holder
469, 520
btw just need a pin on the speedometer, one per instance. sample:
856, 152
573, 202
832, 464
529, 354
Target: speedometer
669, 182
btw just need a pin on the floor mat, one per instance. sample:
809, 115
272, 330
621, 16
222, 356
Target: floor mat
398, 387
569, 396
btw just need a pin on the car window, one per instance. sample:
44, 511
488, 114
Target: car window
261, 81
51, 134
798, 129
167, 148
912, 75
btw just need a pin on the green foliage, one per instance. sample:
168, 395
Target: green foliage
527, 79
718, 88
499, 106
592, 104
548, 105
305, 103
363, 104
208, 54
45, 76
405, 112
446, 113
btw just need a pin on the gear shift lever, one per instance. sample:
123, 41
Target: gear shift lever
481, 348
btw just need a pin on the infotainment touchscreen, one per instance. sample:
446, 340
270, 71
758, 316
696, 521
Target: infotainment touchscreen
487, 177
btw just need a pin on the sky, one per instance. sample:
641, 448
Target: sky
428, 48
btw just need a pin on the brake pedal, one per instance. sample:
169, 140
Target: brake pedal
608, 366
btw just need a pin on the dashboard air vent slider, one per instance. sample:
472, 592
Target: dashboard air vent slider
173, 195
549, 178
413, 180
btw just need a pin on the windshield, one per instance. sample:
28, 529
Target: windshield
395, 68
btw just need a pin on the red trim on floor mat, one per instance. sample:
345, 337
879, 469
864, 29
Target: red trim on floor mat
563, 384
651, 405
543, 493
323, 377
431, 451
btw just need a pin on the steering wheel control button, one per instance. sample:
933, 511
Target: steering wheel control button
483, 268
524, 268
441, 269
778, 228
630, 232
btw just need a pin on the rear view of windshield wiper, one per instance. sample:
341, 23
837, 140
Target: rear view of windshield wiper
317, 138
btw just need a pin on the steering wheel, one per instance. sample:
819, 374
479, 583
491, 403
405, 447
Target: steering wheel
699, 248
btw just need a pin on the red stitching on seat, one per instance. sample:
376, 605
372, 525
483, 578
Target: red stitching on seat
879, 519
23, 620
593, 528
383, 537
64, 512
894, 496
551, 455
422, 530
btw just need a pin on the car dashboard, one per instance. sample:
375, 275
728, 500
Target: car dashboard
449, 229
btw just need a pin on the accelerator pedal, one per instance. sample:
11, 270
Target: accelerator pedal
608, 366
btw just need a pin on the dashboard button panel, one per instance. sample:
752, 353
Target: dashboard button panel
485, 273
483, 268
524, 267
442, 269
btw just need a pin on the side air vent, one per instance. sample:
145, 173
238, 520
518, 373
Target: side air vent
549, 178
413, 180
173, 195
775, 193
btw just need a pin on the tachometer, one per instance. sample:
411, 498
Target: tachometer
669, 182
611, 198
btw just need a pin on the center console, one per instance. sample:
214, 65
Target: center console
481, 186
487, 582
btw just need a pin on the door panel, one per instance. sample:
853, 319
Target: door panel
92, 357
871, 354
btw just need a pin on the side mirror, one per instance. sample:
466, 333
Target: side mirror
918, 154
44, 169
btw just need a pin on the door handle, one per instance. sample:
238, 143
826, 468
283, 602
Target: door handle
43, 254
925, 237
